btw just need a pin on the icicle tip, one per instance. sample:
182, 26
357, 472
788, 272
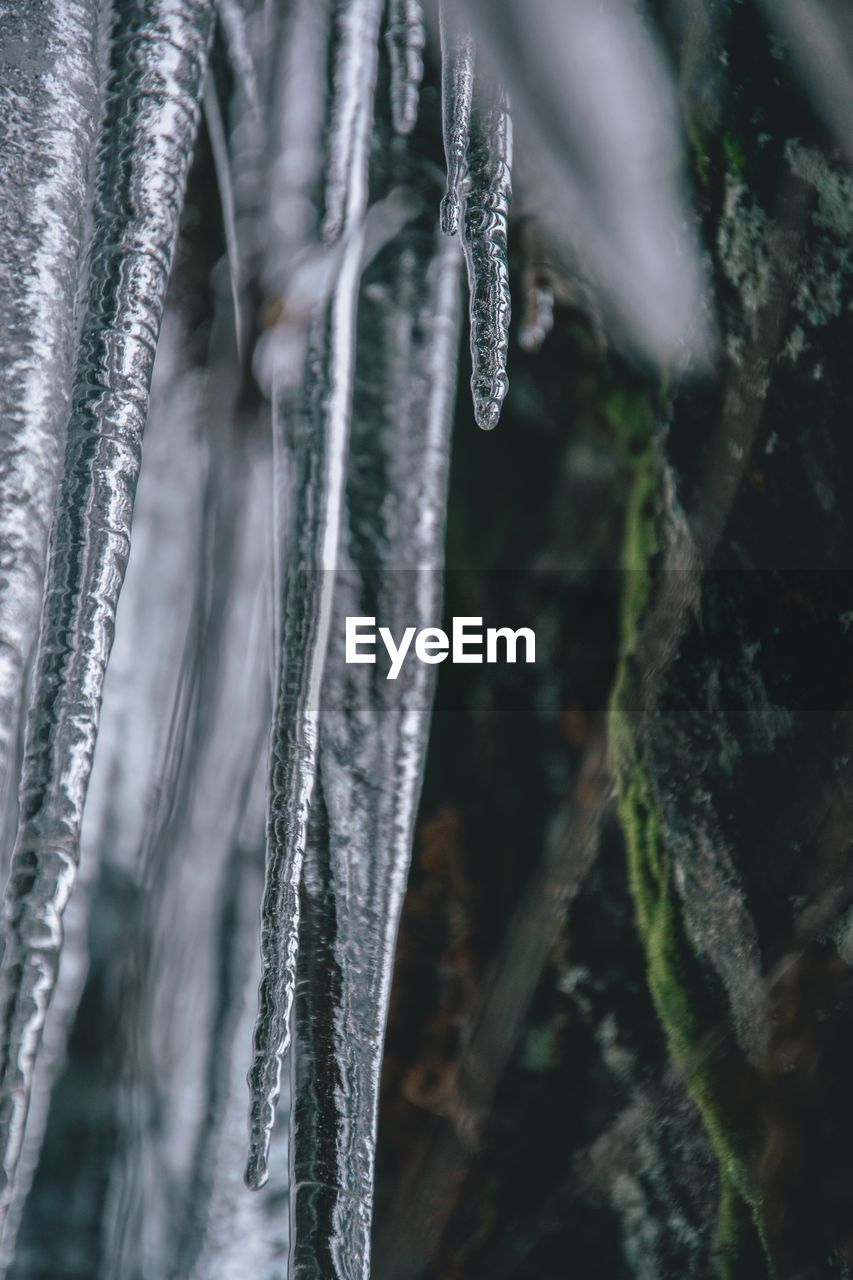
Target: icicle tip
404, 118
264, 1080
487, 413
257, 1171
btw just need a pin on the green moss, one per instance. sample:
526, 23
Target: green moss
700, 75
698, 138
539, 1050
628, 416
735, 154
674, 976
671, 972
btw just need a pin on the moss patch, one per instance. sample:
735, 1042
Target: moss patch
685, 1006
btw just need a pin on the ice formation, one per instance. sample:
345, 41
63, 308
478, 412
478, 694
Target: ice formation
312, 546
144, 157
457, 91
488, 187
49, 107
343, 268
406, 38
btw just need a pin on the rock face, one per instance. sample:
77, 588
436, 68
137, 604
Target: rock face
732, 715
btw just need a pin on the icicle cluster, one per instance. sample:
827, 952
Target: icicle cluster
389, 382
332, 215
318, 469
318, 465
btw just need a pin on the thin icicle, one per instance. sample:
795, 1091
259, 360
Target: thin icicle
131, 768
405, 38
538, 316
295, 270
537, 288
235, 28
373, 739
487, 193
348, 140
219, 149
537, 291
160, 54
49, 103
607, 166
457, 92
319, 452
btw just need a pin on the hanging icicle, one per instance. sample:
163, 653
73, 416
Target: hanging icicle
537, 290
373, 735
160, 55
487, 192
478, 149
49, 101
318, 460
233, 18
405, 38
457, 91
296, 273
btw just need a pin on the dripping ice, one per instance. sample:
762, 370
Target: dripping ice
406, 37
478, 151
457, 90
310, 557
487, 191
151, 115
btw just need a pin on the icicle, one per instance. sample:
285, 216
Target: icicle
299, 117
537, 288
478, 148
219, 149
611, 193
348, 140
295, 275
320, 444
538, 315
457, 91
406, 38
235, 28
152, 692
160, 53
247, 1235
373, 742
487, 191
71, 979
49, 108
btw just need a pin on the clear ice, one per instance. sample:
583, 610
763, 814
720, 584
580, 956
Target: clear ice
318, 421
49, 106
149, 132
372, 737
405, 37
487, 192
457, 91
